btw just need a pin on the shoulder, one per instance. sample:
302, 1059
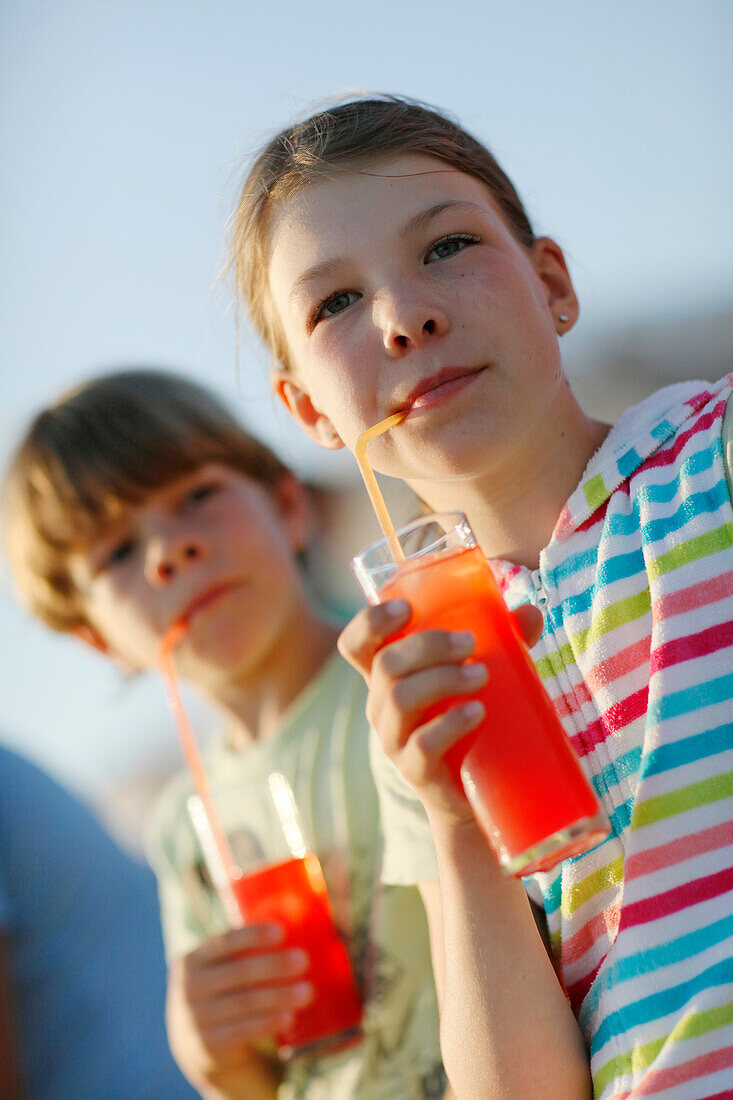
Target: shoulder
727, 439
333, 716
340, 683
673, 424
409, 852
709, 423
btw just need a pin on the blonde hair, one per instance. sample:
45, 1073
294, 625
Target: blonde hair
341, 137
101, 447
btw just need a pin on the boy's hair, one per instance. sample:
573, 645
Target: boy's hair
101, 447
342, 137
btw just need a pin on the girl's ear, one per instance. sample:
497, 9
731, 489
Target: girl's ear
314, 423
549, 263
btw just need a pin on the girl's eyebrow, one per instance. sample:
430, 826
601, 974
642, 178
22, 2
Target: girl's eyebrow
318, 271
425, 216
328, 267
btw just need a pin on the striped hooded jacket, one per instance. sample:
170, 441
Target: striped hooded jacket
636, 588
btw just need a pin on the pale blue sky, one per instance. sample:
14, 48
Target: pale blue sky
123, 124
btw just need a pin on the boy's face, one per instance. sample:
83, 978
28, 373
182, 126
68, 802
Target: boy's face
214, 545
400, 284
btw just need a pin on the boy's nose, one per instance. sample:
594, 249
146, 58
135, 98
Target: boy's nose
165, 560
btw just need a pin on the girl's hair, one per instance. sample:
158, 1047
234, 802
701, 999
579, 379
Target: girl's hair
103, 446
343, 137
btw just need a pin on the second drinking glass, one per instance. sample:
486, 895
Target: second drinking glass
277, 879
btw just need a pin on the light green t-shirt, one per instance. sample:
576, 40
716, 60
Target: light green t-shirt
322, 748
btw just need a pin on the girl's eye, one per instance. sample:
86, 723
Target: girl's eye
337, 303
449, 246
119, 554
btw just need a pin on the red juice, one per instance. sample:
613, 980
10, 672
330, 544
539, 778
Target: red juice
293, 895
519, 771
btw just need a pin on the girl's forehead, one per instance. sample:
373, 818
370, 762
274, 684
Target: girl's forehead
404, 178
364, 199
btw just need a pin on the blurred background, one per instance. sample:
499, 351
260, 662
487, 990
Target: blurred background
125, 127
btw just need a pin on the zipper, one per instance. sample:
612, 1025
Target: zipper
539, 592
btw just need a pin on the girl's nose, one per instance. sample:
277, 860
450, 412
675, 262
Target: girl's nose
166, 560
407, 325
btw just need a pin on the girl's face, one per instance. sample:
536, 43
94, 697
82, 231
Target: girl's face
398, 284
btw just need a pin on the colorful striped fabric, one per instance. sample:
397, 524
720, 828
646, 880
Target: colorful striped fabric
637, 591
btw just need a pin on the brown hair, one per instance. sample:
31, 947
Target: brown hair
105, 445
340, 137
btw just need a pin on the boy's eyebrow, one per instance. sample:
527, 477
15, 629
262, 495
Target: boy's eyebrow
328, 267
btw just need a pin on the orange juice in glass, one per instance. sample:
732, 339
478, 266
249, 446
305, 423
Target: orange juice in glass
518, 770
275, 878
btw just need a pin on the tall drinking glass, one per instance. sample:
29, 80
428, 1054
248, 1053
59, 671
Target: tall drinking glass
519, 771
277, 879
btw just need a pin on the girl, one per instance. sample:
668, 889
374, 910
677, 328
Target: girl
390, 265
131, 500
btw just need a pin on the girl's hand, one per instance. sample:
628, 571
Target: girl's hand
233, 990
407, 676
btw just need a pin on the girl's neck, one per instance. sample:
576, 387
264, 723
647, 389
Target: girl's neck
255, 702
513, 508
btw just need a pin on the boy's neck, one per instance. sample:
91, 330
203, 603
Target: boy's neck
513, 509
256, 703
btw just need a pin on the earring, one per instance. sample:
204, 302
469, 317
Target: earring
329, 434
563, 318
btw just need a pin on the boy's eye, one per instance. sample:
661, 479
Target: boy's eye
337, 303
449, 246
119, 553
201, 492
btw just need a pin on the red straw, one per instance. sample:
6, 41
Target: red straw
198, 771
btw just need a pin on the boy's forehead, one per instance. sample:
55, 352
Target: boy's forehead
118, 510
115, 509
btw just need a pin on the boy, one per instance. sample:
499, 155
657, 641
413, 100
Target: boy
129, 500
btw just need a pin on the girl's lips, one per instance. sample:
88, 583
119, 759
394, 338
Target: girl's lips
442, 391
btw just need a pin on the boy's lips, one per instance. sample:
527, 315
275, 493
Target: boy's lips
205, 599
429, 391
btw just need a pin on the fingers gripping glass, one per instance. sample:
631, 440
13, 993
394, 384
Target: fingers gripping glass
275, 878
518, 770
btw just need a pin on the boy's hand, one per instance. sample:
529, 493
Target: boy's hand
407, 676
233, 990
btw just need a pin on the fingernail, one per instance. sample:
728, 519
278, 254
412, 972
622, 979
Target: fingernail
298, 957
473, 711
396, 609
274, 933
303, 992
462, 641
475, 673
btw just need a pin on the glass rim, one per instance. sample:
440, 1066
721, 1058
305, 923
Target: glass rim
457, 519
277, 791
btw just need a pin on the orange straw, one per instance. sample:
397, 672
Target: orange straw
198, 772
370, 481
